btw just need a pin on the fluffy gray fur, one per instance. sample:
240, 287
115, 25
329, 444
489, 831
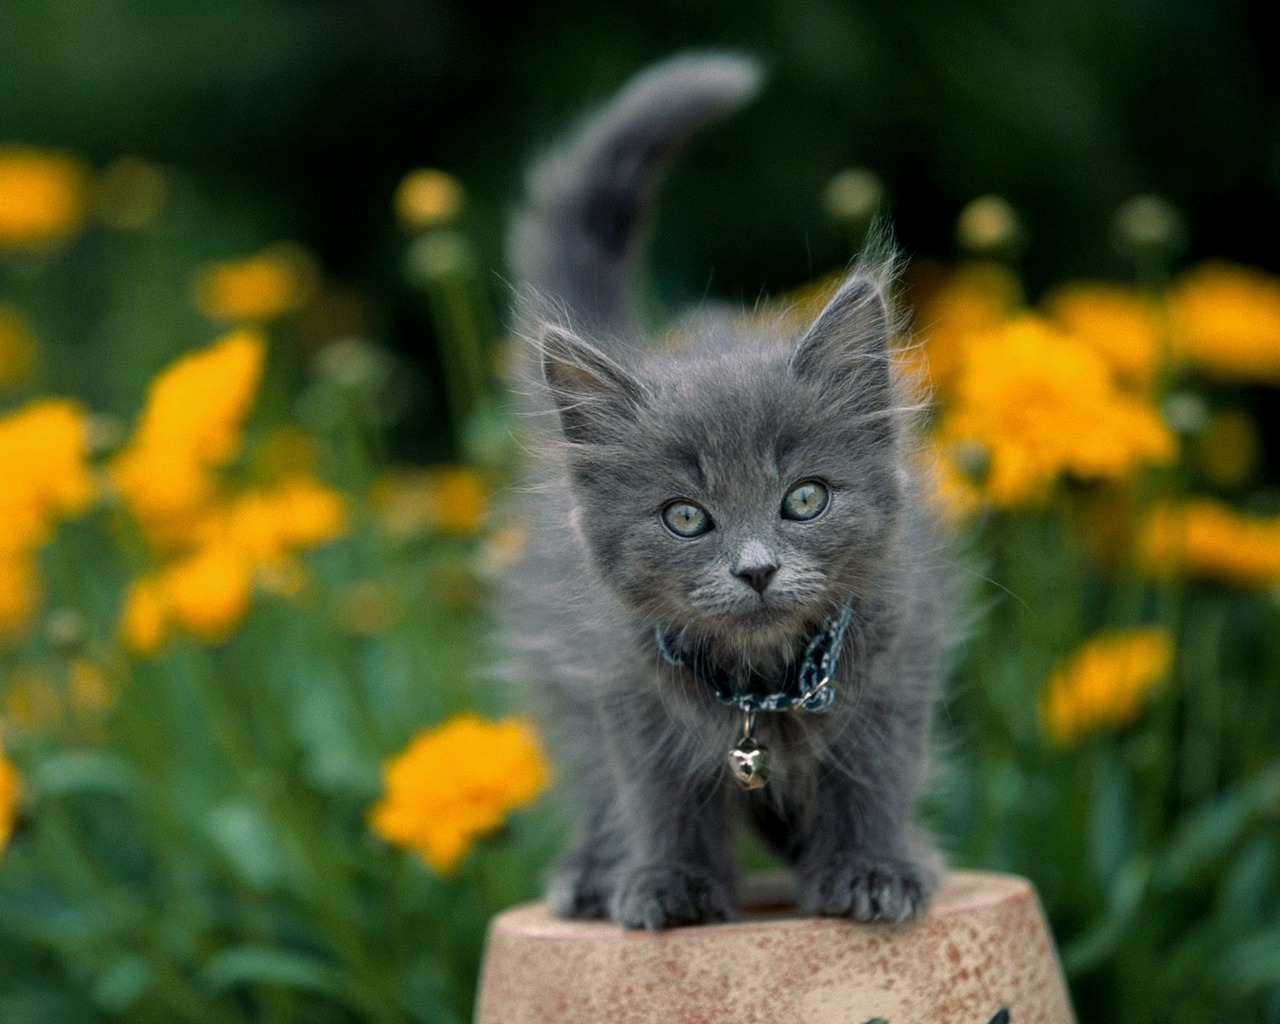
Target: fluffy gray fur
730, 417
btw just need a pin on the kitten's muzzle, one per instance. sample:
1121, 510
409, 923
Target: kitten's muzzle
758, 577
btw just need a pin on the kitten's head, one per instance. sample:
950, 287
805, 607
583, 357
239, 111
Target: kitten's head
738, 496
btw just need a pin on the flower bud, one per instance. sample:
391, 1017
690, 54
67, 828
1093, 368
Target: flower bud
852, 197
428, 198
989, 226
1147, 228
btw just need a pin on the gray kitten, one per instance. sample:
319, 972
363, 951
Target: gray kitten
700, 513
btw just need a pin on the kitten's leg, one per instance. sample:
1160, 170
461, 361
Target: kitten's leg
679, 868
581, 883
858, 853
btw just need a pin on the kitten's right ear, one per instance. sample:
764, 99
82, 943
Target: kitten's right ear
591, 391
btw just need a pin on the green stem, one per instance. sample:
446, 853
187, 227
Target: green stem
462, 342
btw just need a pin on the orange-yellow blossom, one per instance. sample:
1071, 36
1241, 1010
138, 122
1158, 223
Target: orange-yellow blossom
1105, 684
9, 788
44, 471
207, 591
190, 426
20, 591
455, 784
1042, 405
259, 287
44, 479
1226, 320
1122, 325
1210, 540
44, 196
973, 299
297, 513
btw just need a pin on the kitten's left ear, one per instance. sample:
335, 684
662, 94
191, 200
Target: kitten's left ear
847, 346
592, 392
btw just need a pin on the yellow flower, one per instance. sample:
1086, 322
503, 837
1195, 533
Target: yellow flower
199, 402
191, 424
447, 499
1121, 324
257, 288
207, 593
1226, 320
9, 789
973, 299
455, 784
43, 469
295, 514
44, 478
1207, 539
1105, 683
44, 196
17, 349
1042, 405
20, 592
207, 590
428, 198
144, 622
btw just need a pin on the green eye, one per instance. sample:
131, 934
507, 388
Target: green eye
685, 519
805, 500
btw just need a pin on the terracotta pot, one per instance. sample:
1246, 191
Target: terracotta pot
982, 956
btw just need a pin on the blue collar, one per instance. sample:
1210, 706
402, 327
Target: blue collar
805, 685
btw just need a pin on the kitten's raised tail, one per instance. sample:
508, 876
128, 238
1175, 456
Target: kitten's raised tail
576, 240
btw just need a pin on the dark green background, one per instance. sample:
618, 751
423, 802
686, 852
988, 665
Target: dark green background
302, 115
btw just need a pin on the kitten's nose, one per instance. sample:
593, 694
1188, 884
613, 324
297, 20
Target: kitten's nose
756, 575
756, 565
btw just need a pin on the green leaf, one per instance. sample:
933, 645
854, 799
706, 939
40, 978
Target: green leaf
1111, 826
1104, 937
70, 773
247, 841
122, 984
1208, 833
1254, 962
251, 964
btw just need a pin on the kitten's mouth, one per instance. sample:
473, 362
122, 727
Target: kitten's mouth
767, 622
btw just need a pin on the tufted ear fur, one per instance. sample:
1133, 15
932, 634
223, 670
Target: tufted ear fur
846, 348
594, 395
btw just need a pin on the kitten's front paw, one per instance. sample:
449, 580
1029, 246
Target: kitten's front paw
869, 889
580, 887
667, 895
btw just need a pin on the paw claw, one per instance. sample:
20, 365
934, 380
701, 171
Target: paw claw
868, 889
667, 896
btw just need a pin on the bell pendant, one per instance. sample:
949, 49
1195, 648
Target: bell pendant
749, 762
